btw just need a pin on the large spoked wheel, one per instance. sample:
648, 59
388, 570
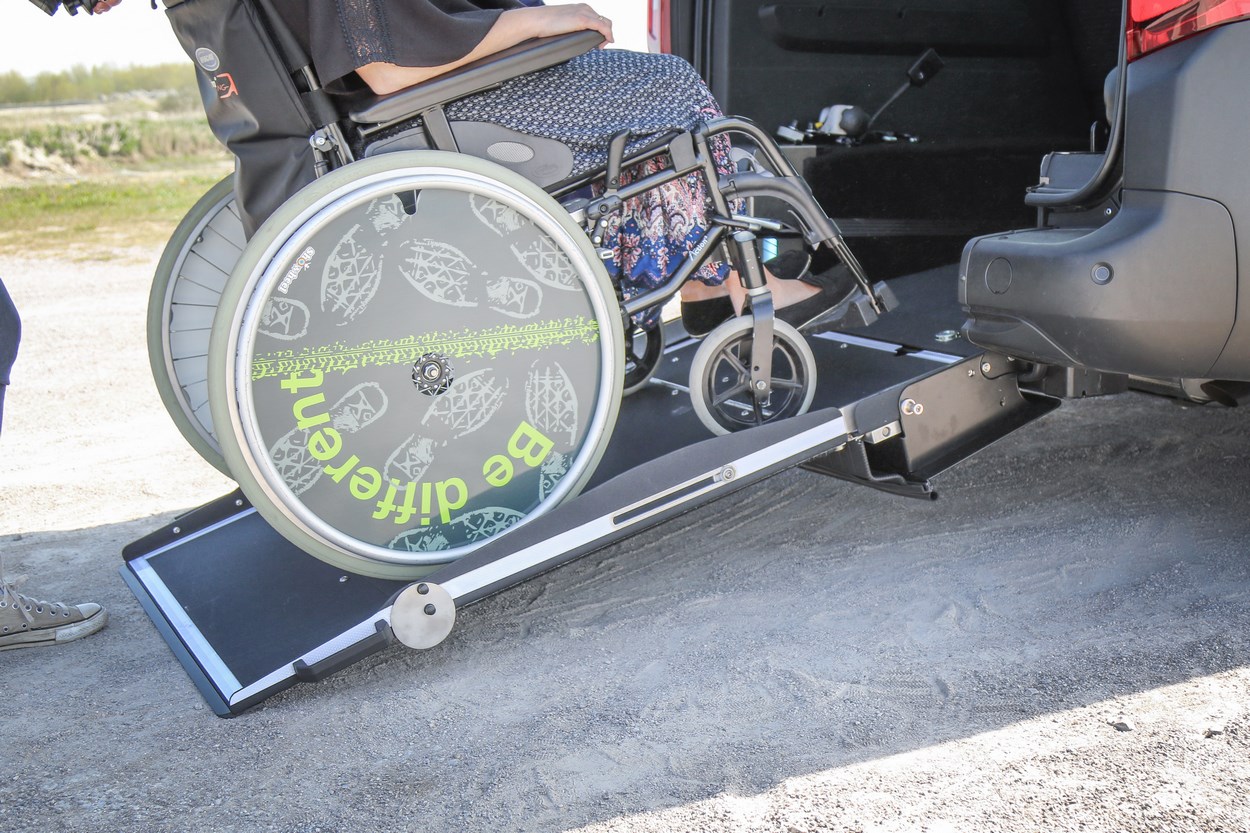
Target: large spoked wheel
415, 354
720, 377
186, 288
644, 347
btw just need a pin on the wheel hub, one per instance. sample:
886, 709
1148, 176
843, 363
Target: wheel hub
432, 374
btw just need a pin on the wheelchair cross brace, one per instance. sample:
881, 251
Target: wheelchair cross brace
689, 152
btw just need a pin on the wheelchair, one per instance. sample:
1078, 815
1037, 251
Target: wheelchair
420, 348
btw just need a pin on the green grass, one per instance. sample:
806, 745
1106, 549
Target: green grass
88, 218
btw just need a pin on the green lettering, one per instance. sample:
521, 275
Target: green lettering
339, 472
387, 504
294, 383
324, 444
303, 422
405, 510
365, 483
536, 447
498, 470
446, 506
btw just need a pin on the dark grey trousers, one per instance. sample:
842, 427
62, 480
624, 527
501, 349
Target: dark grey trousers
10, 334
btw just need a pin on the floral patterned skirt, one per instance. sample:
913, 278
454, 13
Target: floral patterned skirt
587, 101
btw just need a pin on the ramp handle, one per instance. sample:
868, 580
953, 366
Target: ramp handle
336, 662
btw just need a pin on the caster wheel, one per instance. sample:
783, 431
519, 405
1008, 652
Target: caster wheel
189, 278
644, 347
720, 377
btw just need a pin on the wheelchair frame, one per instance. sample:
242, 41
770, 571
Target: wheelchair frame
835, 441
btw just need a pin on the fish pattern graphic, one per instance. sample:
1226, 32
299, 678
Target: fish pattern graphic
547, 263
421, 540
355, 410
409, 462
387, 213
551, 400
439, 271
469, 404
551, 472
496, 216
515, 297
350, 279
285, 319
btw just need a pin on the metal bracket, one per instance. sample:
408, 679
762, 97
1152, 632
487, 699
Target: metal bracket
761, 299
422, 615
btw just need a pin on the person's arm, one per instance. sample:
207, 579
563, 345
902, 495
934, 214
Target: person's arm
103, 6
512, 27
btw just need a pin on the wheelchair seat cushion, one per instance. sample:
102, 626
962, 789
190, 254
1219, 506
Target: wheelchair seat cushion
588, 100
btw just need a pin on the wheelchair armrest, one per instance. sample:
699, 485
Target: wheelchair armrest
483, 74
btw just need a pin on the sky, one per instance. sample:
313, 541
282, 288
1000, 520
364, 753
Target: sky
135, 34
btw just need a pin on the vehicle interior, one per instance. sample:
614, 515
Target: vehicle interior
1021, 78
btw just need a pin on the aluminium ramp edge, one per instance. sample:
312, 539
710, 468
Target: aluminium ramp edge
634, 500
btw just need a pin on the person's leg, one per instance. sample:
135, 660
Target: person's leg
10, 334
27, 622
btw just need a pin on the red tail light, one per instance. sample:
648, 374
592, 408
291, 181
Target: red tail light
659, 38
1154, 24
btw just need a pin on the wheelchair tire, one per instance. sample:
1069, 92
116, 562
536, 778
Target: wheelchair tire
720, 377
644, 348
193, 268
416, 353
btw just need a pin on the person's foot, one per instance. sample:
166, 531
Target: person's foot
833, 289
703, 312
26, 622
701, 317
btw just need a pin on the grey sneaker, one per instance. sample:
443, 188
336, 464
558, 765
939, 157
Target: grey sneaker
29, 623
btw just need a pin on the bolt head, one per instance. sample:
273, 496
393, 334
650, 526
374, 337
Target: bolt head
986, 367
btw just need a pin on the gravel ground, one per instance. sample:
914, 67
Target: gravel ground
1059, 643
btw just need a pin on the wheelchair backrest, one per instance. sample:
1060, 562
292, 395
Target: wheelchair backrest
247, 60
251, 102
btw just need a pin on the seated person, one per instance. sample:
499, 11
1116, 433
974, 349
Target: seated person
394, 44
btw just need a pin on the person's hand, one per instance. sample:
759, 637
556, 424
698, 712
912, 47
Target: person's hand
560, 20
103, 6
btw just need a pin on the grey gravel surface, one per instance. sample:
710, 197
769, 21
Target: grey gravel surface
1058, 643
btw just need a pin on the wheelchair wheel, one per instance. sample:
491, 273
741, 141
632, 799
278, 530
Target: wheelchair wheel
644, 347
418, 352
185, 290
720, 377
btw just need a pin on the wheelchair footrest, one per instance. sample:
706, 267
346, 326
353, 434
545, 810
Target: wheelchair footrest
856, 311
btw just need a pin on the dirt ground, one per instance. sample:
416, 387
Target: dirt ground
1059, 643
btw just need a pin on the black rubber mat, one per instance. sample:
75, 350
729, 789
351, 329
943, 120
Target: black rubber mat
927, 315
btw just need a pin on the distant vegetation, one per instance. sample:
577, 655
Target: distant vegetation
166, 140
81, 84
95, 160
90, 120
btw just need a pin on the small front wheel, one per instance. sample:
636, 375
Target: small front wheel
644, 347
720, 377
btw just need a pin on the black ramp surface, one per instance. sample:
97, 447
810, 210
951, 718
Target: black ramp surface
659, 419
928, 305
261, 602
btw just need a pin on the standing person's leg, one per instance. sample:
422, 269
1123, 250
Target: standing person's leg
27, 622
10, 334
